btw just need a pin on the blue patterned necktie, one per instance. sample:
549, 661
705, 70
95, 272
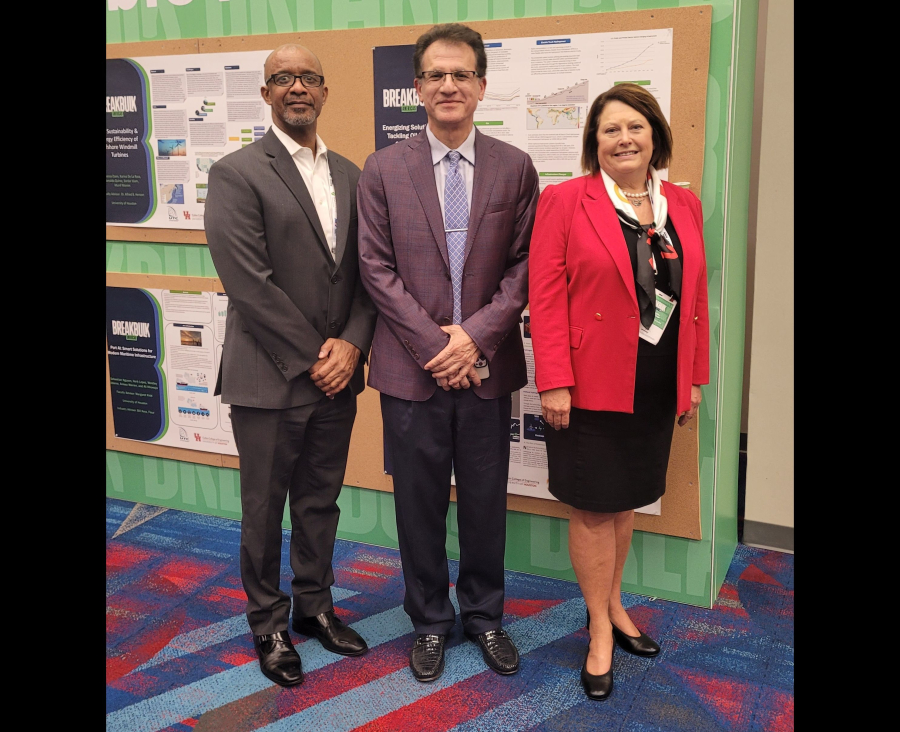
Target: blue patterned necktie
456, 222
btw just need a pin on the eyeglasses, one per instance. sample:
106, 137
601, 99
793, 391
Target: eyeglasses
310, 81
437, 77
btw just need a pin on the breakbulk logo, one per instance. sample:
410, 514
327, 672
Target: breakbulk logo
130, 329
117, 106
406, 99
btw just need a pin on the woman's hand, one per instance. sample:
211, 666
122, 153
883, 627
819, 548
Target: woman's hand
696, 398
555, 407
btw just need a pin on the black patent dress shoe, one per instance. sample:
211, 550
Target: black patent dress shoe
332, 633
426, 659
278, 660
498, 649
642, 645
597, 687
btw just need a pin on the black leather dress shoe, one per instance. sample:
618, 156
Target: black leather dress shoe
278, 660
426, 659
332, 633
597, 687
642, 645
498, 649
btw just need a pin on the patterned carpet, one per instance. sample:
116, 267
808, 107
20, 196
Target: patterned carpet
179, 655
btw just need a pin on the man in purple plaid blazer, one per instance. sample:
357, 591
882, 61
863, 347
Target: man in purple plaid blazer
445, 220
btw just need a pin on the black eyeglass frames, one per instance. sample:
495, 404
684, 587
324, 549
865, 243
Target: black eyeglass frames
437, 77
310, 81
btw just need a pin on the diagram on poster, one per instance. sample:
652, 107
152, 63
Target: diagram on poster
168, 120
164, 349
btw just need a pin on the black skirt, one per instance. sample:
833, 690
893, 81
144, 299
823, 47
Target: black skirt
615, 461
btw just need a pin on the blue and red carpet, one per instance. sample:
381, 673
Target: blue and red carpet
180, 658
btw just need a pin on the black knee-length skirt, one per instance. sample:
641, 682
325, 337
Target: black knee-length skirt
615, 461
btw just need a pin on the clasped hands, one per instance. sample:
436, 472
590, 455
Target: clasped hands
454, 366
336, 364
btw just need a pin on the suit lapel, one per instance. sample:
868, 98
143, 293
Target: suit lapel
286, 169
603, 218
342, 202
486, 164
683, 221
421, 171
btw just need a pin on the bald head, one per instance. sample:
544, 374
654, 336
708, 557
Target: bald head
288, 52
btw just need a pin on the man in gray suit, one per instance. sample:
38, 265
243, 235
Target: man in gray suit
281, 226
445, 221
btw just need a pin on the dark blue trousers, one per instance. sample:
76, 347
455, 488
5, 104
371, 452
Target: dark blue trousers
452, 431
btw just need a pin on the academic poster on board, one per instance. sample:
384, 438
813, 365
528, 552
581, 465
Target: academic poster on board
168, 119
164, 348
539, 90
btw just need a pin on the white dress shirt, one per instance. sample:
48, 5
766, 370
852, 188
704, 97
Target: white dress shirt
441, 165
317, 176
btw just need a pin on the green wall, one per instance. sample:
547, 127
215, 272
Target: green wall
661, 566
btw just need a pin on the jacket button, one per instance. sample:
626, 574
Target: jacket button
447, 320
333, 324
597, 316
335, 280
284, 368
696, 316
406, 342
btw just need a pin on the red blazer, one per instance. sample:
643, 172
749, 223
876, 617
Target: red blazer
584, 311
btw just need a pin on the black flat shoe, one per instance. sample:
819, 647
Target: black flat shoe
599, 687
278, 659
642, 645
332, 633
426, 659
498, 650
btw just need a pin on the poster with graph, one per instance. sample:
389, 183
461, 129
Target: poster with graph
539, 89
163, 351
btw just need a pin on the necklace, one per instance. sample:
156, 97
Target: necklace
635, 198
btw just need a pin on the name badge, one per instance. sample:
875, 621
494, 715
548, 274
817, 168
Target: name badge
665, 305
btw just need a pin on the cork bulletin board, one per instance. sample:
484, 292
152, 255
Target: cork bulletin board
347, 124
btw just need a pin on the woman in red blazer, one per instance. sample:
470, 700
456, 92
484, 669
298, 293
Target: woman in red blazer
620, 331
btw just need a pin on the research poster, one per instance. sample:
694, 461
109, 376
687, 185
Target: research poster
168, 119
164, 348
538, 93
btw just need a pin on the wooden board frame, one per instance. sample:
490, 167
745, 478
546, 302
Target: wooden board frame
348, 126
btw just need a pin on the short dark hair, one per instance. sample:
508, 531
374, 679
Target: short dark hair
637, 98
451, 33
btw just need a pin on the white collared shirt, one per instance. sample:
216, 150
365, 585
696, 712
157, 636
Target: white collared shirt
441, 165
317, 176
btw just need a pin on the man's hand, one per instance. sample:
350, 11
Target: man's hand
556, 405
455, 363
336, 364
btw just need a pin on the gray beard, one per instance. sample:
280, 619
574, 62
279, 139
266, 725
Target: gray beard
299, 119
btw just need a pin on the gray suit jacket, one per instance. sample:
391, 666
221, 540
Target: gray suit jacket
286, 294
405, 266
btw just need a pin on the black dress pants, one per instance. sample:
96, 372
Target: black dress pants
453, 430
298, 454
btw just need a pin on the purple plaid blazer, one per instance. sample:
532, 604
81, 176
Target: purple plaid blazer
405, 269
